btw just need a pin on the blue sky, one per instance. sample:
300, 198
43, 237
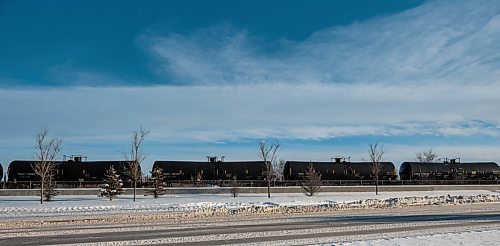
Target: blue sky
216, 77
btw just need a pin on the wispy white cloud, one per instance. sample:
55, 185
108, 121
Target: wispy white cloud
230, 113
69, 73
437, 41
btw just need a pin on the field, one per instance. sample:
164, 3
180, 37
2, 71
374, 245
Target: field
397, 218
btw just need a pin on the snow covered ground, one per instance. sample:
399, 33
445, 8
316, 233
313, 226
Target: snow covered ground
26, 207
21, 209
488, 237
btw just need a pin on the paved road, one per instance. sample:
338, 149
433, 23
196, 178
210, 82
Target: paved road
300, 229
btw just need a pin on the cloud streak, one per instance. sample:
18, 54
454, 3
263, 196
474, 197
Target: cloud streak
231, 113
437, 41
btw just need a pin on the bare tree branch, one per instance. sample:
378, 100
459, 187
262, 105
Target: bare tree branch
268, 154
279, 169
426, 156
136, 156
376, 154
44, 165
234, 187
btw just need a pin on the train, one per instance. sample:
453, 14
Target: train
213, 169
78, 169
449, 170
340, 169
74, 169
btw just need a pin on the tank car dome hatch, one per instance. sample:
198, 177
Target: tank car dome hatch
75, 158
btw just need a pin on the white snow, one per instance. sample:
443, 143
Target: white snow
25, 207
488, 237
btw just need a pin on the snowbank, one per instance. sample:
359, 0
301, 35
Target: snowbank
199, 205
488, 237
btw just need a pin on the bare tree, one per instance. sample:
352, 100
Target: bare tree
279, 168
197, 180
426, 156
268, 154
135, 157
376, 153
157, 183
44, 165
50, 191
234, 187
312, 181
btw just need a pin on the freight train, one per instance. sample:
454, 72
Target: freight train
74, 169
78, 170
451, 169
340, 169
213, 169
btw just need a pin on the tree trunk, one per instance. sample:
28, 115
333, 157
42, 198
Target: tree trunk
376, 186
135, 186
41, 192
268, 188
